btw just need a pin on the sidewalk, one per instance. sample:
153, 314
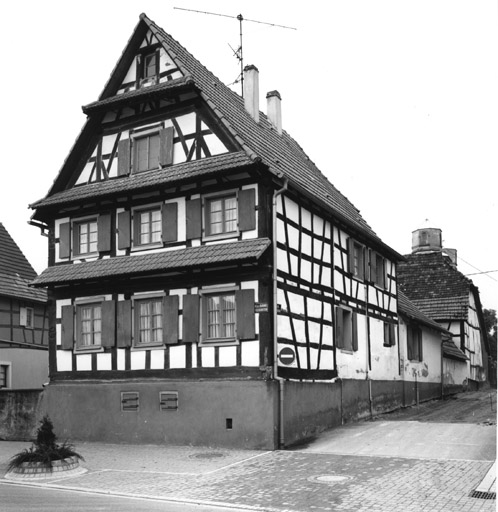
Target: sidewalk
274, 481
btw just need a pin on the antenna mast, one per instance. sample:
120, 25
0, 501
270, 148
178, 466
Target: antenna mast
238, 52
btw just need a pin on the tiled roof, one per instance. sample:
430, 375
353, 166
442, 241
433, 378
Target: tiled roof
16, 271
407, 308
138, 94
451, 351
436, 287
280, 153
140, 265
147, 180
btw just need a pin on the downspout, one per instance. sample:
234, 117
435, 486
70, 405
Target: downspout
370, 399
442, 368
281, 440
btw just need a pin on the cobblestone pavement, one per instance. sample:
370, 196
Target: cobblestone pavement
276, 481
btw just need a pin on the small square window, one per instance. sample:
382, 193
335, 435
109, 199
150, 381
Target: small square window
221, 215
148, 68
85, 237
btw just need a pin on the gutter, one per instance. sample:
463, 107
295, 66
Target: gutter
281, 440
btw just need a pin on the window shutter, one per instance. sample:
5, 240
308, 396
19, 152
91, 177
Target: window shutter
244, 303
339, 328
350, 255
23, 316
67, 327
392, 333
355, 332
108, 323
409, 342
419, 340
190, 318
138, 65
170, 222
166, 146
65, 240
194, 221
247, 209
170, 318
124, 157
124, 323
104, 232
373, 266
124, 240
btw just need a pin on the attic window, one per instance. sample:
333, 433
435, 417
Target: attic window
146, 152
147, 68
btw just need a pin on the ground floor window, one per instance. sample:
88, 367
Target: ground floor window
4, 375
414, 343
220, 316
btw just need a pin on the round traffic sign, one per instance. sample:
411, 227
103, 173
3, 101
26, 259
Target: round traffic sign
286, 355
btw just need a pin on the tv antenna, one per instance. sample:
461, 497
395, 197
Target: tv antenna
238, 52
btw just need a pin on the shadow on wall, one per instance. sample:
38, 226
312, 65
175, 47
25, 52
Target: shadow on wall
20, 412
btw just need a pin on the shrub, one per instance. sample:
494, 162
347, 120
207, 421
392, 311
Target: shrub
44, 449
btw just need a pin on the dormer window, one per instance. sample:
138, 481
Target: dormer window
146, 152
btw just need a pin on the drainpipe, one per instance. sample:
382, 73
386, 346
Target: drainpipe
442, 369
370, 399
281, 440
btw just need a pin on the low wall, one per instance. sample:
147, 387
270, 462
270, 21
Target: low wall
20, 411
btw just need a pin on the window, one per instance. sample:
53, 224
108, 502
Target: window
356, 259
414, 343
27, 317
147, 68
221, 215
220, 316
389, 334
377, 269
4, 375
149, 321
89, 325
147, 226
85, 237
227, 316
146, 152
346, 329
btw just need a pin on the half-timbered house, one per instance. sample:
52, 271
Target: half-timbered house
430, 278
208, 284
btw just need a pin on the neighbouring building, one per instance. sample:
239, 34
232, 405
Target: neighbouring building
208, 284
430, 279
23, 321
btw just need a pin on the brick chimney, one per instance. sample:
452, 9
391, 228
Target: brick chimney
251, 91
274, 110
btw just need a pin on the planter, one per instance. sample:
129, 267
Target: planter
38, 470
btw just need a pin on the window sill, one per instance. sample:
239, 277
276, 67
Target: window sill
220, 236
147, 346
84, 256
346, 350
88, 350
221, 342
147, 247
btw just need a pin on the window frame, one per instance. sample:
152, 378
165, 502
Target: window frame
207, 200
346, 330
153, 79
7, 366
147, 135
75, 236
378, 278
79, 305
205, 295
136, 224
27, 317
353, 246
414, 337
136, 301
389, 334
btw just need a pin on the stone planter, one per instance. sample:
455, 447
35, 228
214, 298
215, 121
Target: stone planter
38, 470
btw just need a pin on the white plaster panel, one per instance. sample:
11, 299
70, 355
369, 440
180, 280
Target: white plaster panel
314, 332
137, 360
306, 244
284, 327
248, 235
64, 361
249, 353
177, 356
121, 358
194, 354
228, 356
327, 230
326, 277
306, 218
293, 234
208, 357
83, 362
317, 225
58, 334
314, 359
294, 262
327, 312
104, 361
327, 253
281, 231
292, 210
317, 248
327, 360
306, 270
282, 263
314, 307
296, 303
299, 329
328, 335
303, 356
85, 174
157, 359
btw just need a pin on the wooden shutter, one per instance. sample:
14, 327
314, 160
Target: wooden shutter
123, 325
170, 222
104, 232
354, 332
65, 240
124, 157
194, 220
419, 341
108, 323
247, 209
339, 328
244, 304
166, 146
190, 318
67, 327
350, 255
409, 342
124, 239
139, 71
170, 318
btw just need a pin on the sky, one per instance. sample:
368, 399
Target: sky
395, 101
